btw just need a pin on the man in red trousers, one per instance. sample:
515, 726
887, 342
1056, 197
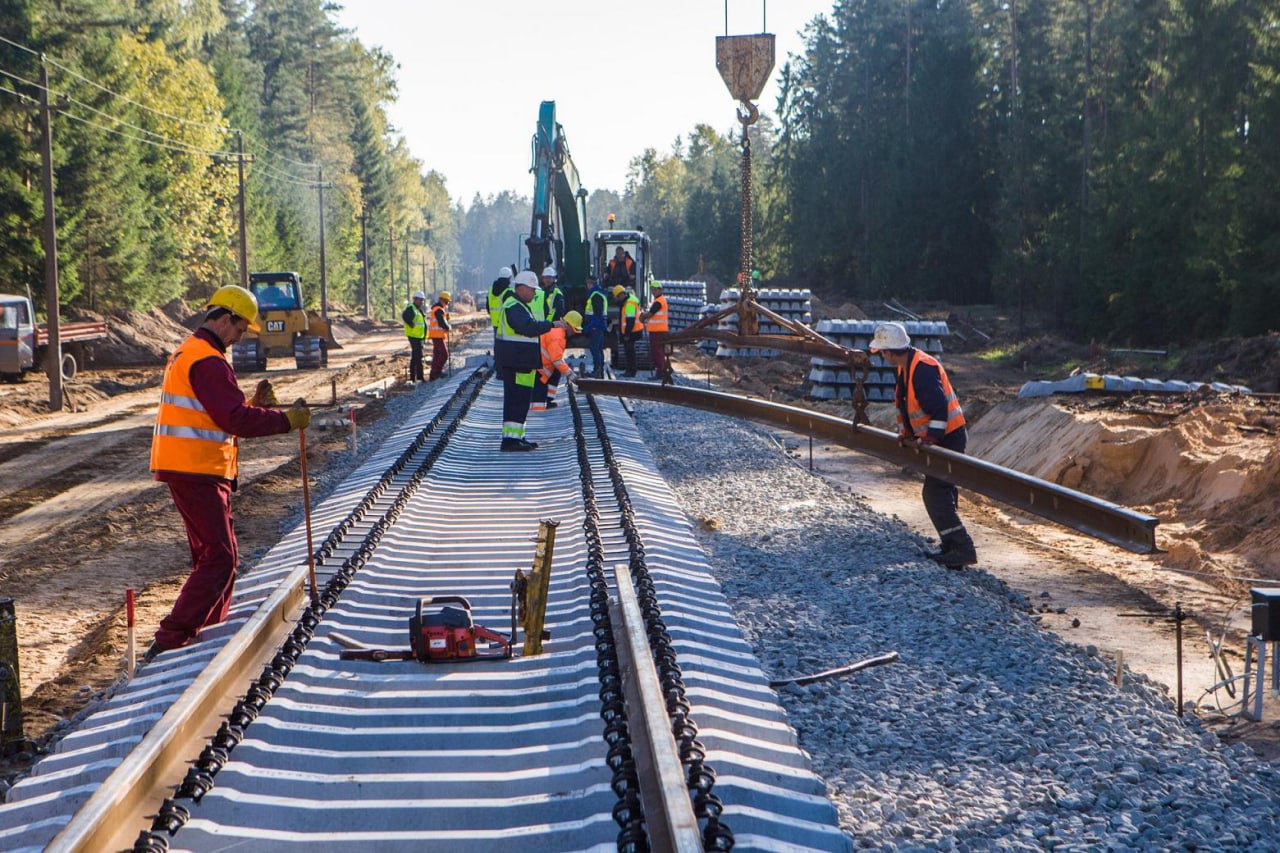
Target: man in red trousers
194, 450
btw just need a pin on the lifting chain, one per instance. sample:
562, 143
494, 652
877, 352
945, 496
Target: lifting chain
748, 321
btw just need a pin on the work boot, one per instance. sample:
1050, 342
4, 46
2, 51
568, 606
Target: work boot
529, 445
551, 404
958, 557
151, 652
515, 444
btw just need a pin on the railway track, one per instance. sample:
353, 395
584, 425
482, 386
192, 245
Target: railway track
310, 749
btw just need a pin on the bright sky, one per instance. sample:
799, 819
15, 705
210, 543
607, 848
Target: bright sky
473, 73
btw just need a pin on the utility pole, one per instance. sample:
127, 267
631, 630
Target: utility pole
391, 281
54, 356
324, 280
408, 276
364, 256
424, 271
244, 246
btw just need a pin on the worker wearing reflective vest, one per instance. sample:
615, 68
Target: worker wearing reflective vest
438, 332
554, 366
498, 293
596, 324
517, 354
415, 329
656, 324
194, 451
629, 325
550, 298
929, 414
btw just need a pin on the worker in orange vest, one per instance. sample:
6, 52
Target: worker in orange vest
929, 414
438, 332
656, 324
553, 363
194, 450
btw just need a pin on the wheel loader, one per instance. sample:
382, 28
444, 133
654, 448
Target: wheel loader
288, 328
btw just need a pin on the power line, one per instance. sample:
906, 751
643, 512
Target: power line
285, 177
167, 142
45, 57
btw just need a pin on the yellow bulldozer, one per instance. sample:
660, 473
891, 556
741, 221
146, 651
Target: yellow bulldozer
288, 328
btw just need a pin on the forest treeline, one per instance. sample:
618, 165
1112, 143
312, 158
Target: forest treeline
1108, 165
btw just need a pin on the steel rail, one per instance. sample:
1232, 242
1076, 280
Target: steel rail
110, 818
668, 811
1110, 522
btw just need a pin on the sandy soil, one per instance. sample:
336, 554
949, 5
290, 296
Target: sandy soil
82, 520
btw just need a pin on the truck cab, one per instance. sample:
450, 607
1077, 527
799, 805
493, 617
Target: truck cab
17, 336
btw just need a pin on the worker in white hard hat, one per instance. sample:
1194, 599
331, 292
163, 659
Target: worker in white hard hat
518, 357
415, 329
497, 294
195, 452
438, 332
548, 302
929, 414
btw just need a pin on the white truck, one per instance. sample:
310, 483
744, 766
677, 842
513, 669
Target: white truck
24, 343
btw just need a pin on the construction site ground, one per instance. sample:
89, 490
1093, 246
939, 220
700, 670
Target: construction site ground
81, 519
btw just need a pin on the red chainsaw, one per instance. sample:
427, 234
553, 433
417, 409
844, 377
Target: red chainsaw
440, 630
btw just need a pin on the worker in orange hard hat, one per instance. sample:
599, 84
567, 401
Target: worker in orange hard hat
194, 450
438, 332
929, 414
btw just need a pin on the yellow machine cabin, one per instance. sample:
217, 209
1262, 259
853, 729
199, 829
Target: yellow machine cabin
288, 328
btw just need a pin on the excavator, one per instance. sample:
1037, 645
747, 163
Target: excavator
557, 233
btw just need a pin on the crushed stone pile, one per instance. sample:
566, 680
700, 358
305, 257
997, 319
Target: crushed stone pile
989, 733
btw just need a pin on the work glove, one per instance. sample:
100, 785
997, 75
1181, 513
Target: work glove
299, 415
571, 377
264, 396
905, 438
928, 440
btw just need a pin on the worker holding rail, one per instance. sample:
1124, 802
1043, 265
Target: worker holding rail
553, 344
194, 450
596, 324
929, 414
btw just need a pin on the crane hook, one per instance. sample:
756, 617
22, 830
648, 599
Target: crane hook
752, 114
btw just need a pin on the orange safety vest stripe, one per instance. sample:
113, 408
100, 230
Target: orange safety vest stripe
434, 329
185, 438
920, 422
658, 321
553, 346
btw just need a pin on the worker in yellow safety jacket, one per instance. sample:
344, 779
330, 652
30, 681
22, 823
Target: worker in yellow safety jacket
554, 365
498, 293
415, 329
629, 325
929, 414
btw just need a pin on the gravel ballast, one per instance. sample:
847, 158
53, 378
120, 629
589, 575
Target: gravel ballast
989, 733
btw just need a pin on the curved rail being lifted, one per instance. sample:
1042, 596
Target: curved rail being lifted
1102, 519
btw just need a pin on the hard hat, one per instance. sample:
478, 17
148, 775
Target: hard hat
549, 272
419, 295
505, 272
444, 294
527, 278
890, 336
574, 319
656, 284
238, 301
617, 290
